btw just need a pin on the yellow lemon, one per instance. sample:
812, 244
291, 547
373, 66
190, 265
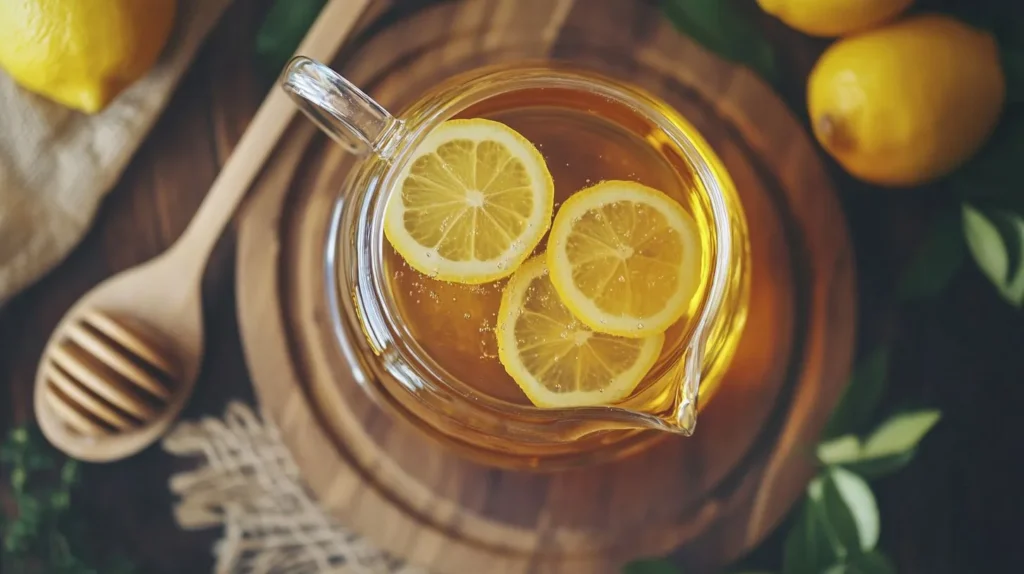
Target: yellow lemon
555, 359
79, 53
471, 204
624, 258
907, 103
830, 18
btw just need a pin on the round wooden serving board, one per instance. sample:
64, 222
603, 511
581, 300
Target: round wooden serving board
708, 498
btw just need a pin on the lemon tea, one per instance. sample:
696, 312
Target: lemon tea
531, 263
585, 139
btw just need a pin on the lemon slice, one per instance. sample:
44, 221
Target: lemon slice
558, 361
473, 203
625, 258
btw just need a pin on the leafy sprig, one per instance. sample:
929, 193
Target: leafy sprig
37, 533
722, 27
837, 524
281, 32
996, 241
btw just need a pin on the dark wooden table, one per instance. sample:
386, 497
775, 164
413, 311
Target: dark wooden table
956, 509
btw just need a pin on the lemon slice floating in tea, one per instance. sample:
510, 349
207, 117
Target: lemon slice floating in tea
473, 203
624, 258
557, 360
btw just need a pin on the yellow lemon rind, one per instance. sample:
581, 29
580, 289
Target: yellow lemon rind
429, 263
536, 391
79, 55
580, 304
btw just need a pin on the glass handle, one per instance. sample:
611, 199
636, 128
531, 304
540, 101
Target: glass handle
338, 107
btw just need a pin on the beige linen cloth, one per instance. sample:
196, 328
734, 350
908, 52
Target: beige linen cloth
246, 481
57, 164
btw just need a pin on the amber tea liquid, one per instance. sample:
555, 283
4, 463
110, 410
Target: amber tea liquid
585, 139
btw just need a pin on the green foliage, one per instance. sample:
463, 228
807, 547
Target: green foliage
724, 28
992, 192
850, 508
861, 395
36, 537
808, 547
852, 457
941, 256
894, 439
282, 31
837, 525
900, 434
996, 240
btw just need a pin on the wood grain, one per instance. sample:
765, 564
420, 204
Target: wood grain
712, 496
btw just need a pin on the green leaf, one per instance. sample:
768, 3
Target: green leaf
900, 434
19, 436
841, 450
650, 566
861, 395
282, 31
941, 255
18, 478
836, 520
38, 538
996, 247
848, 451
1013, 68
848, 511
855, 494
60, 500
877, 467
724, 28
69, 472
808, 547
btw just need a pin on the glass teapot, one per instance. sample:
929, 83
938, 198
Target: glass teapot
426, 348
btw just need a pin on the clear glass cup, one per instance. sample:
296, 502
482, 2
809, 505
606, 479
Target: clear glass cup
392, 364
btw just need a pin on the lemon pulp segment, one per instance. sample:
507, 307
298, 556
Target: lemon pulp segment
555, 359
473, 203
624, 258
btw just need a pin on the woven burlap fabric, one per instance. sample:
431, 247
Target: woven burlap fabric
57, 164
247, 482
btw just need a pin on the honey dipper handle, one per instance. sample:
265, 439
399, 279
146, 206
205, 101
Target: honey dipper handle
323, 41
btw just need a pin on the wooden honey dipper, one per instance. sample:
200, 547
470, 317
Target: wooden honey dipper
123, 361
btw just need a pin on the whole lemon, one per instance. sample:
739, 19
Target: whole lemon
830, 18
82, 53
908, 103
